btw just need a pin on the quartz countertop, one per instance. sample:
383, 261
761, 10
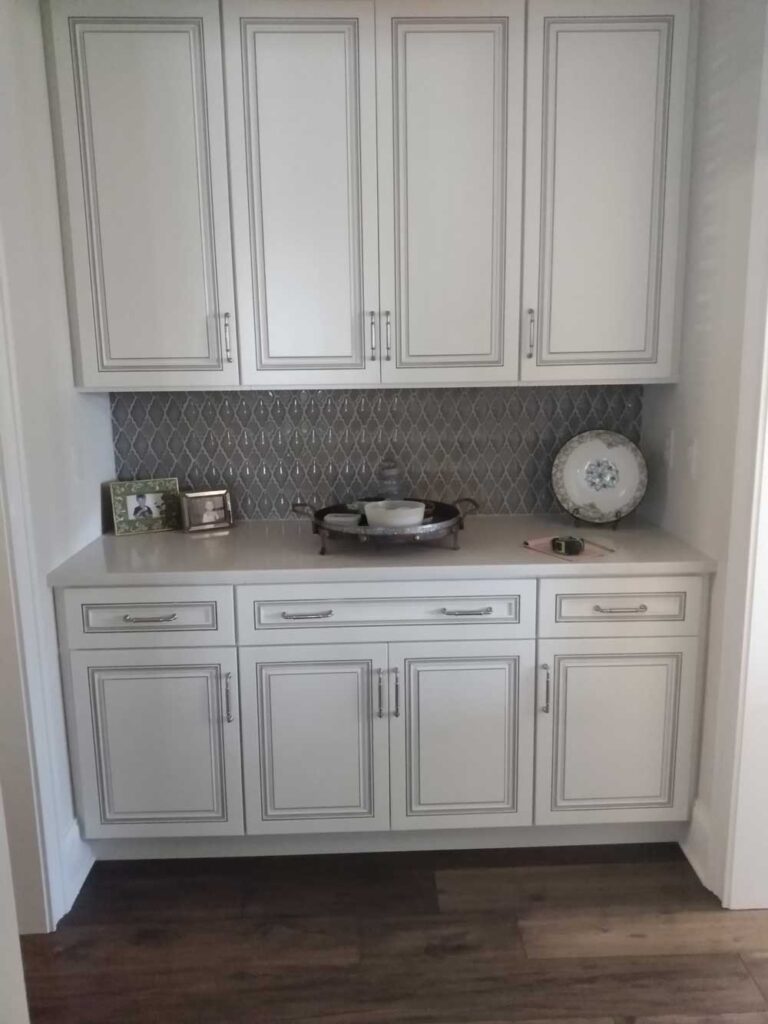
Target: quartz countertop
273, 551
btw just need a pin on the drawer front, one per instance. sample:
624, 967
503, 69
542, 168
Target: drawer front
117, 617
281, 612
643, 606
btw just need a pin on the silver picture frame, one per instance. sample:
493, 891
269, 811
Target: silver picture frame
206, 511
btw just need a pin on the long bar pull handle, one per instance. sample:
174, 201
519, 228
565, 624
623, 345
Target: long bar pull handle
547, 706
136, 619
531, 333
639, 609
380, 712
228, 697
292, 616
397, 693
372, 316
388, 330
488, 610
227, 339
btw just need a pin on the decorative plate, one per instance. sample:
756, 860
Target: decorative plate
599, 476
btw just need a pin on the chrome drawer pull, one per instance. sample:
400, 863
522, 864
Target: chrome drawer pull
488, 610
641, 609
136, 619
292, 616
397, 692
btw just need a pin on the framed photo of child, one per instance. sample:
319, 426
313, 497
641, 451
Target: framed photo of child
145, 506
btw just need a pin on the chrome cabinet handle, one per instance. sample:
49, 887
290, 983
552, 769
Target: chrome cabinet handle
488, 610
547, 707
397, 692
227, 341
388, 329
292, 616
380, 712
135, 619
228, 697
640, 609
372, 316
531, 333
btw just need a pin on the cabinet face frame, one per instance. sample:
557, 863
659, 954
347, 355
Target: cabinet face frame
351, 21
679, 656
504, 21
261, 669
657, 359
409, 734
67, 25
91, 673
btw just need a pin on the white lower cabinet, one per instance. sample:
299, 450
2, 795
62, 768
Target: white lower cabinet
158, 742
615, 729
461, 734
315, 735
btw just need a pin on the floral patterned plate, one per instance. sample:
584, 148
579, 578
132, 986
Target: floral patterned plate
599, 476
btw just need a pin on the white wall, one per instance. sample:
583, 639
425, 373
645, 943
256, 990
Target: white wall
699, 492
13, 999
57, 445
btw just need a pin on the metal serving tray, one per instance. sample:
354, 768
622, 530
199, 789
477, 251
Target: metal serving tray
440, 520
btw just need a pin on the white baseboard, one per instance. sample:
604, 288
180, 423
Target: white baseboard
375, 842
77, 859
696, 847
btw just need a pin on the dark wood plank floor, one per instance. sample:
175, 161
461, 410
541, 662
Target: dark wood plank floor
593, 935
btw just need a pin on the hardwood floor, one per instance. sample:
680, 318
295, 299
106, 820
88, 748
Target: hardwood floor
588, 935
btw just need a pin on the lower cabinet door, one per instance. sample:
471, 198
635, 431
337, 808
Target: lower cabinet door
461, 734
615, 730
157, 744
315, 734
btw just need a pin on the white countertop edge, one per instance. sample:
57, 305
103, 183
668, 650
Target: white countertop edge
491, 549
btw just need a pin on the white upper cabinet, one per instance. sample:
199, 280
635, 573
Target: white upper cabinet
605, 109
143, 183
302, 94
450, 105
364, 190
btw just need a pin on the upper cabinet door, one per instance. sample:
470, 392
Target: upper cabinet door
605, 105
301, 91
143, 173
450, 94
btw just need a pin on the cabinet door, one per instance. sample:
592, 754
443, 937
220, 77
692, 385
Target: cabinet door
301, 91
142, 143
605, 103
450, 92
461, 734
157, 742
615, 731
315, 738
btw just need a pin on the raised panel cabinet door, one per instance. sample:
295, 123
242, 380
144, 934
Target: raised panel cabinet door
461, 734
302, 120
606, 86
156, 743
615, 730
315, 738
139, 95
450, 100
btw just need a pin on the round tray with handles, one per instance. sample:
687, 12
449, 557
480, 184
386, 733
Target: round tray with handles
441, 519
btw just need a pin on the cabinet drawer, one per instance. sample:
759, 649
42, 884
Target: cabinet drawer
490, 609
147, 617
643, 606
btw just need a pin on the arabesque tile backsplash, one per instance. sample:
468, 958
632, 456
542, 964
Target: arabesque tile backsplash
273, 448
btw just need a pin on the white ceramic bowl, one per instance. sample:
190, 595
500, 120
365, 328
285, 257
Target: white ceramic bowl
394, 513
342, 518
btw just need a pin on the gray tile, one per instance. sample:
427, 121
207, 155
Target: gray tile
274, 448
